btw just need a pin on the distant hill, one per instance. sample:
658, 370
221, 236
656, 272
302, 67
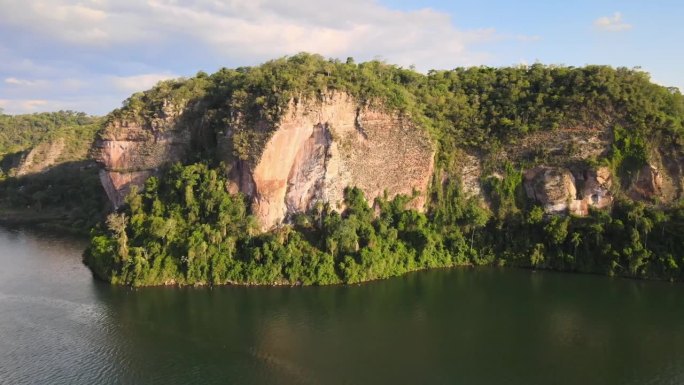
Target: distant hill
47, 177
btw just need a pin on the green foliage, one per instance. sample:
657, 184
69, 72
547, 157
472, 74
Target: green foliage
479, 108
21, 132
67, 194
185, 228
629, 152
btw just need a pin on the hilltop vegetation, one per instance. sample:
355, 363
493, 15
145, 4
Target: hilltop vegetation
479, 108
46, 175
184, 228
21, 132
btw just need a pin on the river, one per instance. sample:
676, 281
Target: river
460, 326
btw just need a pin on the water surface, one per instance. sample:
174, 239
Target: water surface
469, 326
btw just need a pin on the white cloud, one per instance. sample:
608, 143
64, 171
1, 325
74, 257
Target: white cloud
12, 81
612, 23
95, 53
138, 82
22, 106
86, 103
258, 30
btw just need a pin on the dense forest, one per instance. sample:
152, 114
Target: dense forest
183, 227
61, 189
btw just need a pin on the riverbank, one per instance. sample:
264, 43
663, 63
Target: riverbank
60, 326
56, 221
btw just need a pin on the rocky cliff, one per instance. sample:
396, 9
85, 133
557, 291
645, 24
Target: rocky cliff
559, 191
484, 152
560, 172
314, 151
41, 157
130, 151
297, 131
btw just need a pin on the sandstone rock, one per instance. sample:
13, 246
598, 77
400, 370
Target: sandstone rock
40, 158
557, 189
321, 147
647, 184
316, 149
553, 187
595, 192
130, 152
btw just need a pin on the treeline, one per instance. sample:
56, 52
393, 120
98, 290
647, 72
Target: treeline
21, 132
480, 108
66, 195
185, 228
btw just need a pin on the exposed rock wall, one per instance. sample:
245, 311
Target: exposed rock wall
320, 147
559, 191
554, 188
647, 184
41, 157
131, 151
317, 149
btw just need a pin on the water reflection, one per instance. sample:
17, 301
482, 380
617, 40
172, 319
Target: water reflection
452, 326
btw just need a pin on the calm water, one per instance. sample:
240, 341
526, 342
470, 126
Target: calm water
59, 326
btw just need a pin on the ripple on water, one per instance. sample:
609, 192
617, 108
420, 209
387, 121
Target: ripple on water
49, 340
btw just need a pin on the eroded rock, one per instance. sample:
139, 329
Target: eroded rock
553, 187
316, 149
130, 152
647, 184
41, 157
594, 191
320, 147
559, 191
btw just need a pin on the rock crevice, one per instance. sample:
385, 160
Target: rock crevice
314, 151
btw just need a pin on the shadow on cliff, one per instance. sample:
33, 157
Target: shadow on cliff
67, 195
11, 160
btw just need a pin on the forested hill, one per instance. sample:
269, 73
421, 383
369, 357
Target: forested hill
291, 173
47, 177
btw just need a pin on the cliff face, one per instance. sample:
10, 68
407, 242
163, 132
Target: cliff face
130, 152
316, 149
40, 158
321, 147
561, 181
559, 191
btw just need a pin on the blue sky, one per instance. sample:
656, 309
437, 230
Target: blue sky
90, 55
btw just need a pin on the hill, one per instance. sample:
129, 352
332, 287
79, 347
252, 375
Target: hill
47, 176
311, 171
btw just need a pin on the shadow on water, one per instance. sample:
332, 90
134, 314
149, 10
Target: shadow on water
471, 326
474, 326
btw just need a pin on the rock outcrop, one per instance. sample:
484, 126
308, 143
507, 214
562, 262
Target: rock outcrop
553, 187
130, 151
593, 187
40, 158
647, 184
314, 151
320, 147
559, 191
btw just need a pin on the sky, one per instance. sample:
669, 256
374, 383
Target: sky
90, 55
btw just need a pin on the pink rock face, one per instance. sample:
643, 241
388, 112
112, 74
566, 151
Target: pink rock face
595, 192
118, 184
131, 152
321, 147
317, 149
